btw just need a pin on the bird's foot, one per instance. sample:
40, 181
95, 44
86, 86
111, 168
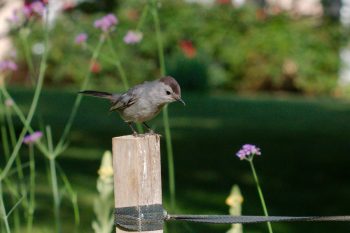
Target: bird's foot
150, 131
135, 134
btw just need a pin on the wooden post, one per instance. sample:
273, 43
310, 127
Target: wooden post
137, 172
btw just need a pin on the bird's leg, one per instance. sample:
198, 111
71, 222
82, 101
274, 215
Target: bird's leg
132, 128
149, 128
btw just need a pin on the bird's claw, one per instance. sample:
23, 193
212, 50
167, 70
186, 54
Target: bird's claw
150, 131
135, 134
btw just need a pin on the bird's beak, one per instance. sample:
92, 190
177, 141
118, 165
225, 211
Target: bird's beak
178, 98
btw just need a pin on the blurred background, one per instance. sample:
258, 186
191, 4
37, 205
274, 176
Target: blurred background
274, 73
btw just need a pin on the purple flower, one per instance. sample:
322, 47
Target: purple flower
9, 102
34, 8
37, 7
247, 151
32, 138
8, 65
27, 11
112, 19
15, 18
81, 38
106, 23
133, 37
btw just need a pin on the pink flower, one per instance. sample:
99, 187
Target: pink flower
32, 138
38, 7
27, 11
112, 19
106, 23
34, 8
9, 102
20, 15
248, 151
81, 38
15, 18
8, 65
133, 37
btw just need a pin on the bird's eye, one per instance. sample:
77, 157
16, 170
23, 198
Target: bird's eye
168, 92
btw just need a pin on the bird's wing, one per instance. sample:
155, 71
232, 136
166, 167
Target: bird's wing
125, 100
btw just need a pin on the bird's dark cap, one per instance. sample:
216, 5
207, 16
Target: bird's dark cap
170, 81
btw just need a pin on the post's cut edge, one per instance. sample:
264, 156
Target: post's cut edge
132, 137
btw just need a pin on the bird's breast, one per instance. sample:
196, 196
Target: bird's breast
141, 111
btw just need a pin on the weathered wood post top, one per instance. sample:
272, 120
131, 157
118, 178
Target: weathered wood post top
137, 172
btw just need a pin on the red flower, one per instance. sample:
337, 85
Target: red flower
68, 6
187, 48
95, 67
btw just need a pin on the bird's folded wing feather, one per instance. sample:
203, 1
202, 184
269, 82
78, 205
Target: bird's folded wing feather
123, 101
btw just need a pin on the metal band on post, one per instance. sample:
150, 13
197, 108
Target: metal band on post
140, 218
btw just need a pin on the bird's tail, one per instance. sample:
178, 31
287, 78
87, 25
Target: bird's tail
99, 94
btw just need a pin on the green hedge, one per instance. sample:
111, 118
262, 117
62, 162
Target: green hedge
241, 49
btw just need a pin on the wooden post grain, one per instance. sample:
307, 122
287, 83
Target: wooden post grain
137, 172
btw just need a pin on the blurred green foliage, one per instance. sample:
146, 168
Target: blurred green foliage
240, 49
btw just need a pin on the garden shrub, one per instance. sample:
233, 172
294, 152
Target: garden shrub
241, 49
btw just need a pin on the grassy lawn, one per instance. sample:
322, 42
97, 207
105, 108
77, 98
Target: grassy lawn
304, 167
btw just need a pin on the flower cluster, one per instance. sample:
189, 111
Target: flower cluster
19, 16
7, 65
32, 138
81, 38
106, 23
133, 37
36, 7
247, 151
106, 169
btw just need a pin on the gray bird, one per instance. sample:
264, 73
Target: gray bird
142, 102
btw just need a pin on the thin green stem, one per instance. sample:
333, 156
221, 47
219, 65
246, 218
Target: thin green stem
171, 167
143, 17
169, 146
78, 99
14, 195
31, 204
22, 118
49, 141
24, 39
3, 213
54, 183
260, 194
10, 126
13, 139
118, 64
33, 106
16, 220
55, 194
159, 40
5, 142
72, 193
